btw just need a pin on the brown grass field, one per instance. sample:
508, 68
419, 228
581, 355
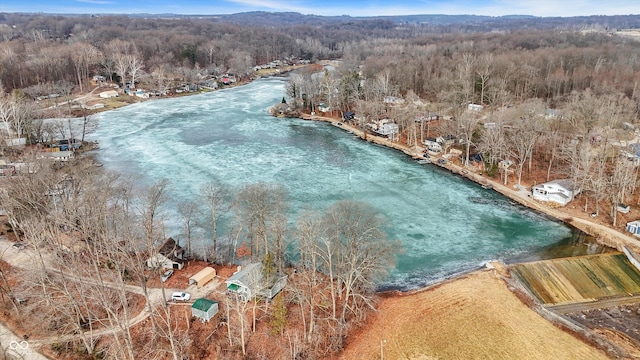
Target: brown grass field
579, 279
473, 317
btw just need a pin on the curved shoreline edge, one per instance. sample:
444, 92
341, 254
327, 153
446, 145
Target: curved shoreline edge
604, 235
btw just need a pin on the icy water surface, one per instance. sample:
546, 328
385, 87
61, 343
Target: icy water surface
447, 224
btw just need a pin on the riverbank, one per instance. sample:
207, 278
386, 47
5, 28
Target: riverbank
604, 235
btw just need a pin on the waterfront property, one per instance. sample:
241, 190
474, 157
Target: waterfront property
249, 282
557, 191
170, 256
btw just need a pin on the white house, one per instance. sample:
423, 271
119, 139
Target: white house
634, 227
474, 107
557, 191
433, 145
249, 282
393, 100
323, 107
388, 129
57, 155
108, 94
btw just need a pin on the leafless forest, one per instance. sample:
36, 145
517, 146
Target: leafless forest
560, 99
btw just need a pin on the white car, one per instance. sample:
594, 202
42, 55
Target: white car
180, 296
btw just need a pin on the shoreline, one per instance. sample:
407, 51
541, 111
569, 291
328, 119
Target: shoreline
604, 235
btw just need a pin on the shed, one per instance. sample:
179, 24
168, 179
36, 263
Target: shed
634, 227
204, 309
203, 276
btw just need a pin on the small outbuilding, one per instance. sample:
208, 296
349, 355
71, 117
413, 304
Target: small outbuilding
202, 277
634, 227
204, 309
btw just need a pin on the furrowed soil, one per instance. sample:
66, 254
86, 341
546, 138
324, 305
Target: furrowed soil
472, 317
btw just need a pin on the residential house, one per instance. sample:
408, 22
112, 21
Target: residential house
204, 309
433, 145
169, 256
249, 282
505, 164
556, 191
634, 227
389, 129
57, 155
108, 94
141, 94
393, 100
474, 107
323, 107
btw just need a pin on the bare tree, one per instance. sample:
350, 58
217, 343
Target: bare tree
364, 254
188, 211
261, 208
216, 198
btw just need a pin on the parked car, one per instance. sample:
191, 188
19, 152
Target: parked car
180, 296
167, 274
19, 246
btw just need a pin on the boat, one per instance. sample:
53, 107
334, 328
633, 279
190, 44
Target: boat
487, 186
424, 161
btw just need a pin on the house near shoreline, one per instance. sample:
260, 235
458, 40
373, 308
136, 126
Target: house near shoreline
433, 145
57, 155
170, 256
249, 282
557, 191
108, 94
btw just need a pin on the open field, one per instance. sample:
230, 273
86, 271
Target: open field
580, 279
473, 317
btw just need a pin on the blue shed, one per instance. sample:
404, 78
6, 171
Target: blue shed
634, 227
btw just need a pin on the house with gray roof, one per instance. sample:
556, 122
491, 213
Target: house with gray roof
556, 191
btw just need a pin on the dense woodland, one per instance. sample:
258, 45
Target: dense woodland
562, 95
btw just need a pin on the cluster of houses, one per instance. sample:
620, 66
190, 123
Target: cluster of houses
247, 283
277, 63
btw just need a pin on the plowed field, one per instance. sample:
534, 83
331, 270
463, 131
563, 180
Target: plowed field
580, 279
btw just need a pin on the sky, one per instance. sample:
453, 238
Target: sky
562, 8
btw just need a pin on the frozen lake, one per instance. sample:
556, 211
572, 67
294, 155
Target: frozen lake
447, 224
